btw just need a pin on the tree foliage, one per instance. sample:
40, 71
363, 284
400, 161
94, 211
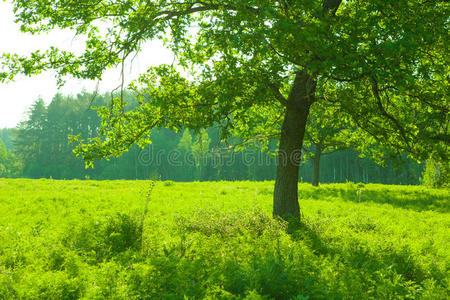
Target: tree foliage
436, 173
9, 166
386, 70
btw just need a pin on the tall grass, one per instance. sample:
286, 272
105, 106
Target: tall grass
124, 240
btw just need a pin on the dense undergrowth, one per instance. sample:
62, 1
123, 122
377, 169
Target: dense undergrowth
88, 239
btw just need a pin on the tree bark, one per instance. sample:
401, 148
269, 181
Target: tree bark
285, 198
316, 160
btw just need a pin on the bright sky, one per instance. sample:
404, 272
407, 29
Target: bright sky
17, 96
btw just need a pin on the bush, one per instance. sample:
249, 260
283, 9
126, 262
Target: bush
104, 238
436, 173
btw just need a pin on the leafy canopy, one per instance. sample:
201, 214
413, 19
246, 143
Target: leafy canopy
384, 63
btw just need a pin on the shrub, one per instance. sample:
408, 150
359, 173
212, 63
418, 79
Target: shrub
436, 173
104, 238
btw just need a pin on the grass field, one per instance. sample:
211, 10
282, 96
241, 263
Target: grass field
88, 239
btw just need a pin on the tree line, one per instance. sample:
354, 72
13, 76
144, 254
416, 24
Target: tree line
40, 148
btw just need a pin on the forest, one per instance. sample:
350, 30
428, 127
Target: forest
39, 148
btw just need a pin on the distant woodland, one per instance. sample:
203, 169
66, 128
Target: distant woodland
39, 147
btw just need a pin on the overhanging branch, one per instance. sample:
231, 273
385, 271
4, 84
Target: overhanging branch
376, 93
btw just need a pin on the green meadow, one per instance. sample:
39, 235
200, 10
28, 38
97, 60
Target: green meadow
217, 240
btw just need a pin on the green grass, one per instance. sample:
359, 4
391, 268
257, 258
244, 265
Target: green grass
84, 239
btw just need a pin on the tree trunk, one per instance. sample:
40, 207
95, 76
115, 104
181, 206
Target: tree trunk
316, 161
285, 198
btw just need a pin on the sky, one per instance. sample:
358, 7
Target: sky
16, 97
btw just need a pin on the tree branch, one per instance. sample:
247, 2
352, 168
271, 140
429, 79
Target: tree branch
278, 95
441, 137
376, 93
330, 6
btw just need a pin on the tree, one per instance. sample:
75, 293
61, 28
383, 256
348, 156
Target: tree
31, 138
436, 173
256, 67
324, 133
6, 136
9, 166
200, 149
185, 147
3, 158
